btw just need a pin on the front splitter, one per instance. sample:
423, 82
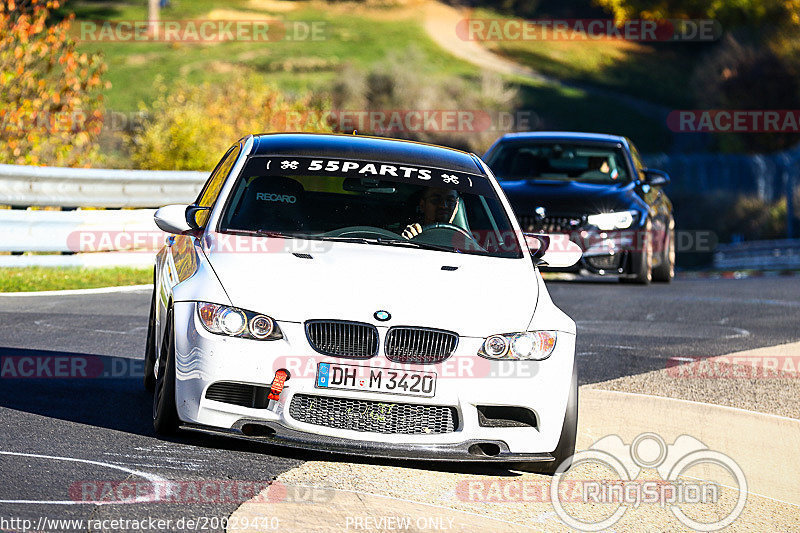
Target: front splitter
475, 450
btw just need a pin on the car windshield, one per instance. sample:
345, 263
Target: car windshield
559, 161
378, 203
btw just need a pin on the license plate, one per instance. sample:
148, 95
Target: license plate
364, 378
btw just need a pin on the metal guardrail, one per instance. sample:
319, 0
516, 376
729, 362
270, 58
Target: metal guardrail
781, 254
94, 187
78, 231
92, 238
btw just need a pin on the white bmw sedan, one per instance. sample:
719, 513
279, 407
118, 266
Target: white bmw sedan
361, 295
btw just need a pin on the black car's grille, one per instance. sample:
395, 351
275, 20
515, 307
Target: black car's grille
605, 262
560, 224
343, 339
373, 417
419, 345
238, 394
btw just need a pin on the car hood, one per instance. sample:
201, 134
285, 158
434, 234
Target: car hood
569, 197
348, 281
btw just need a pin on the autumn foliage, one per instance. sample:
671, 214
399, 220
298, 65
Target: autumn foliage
50, 101
190, 126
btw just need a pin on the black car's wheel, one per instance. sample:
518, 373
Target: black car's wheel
165, 413
665, 271
641, 259
565, 448
150, 347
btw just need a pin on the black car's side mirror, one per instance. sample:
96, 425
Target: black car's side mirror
655, 178
538, 245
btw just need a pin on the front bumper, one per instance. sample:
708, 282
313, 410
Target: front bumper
277, 434
465, 382
604, 252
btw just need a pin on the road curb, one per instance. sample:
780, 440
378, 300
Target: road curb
77, 292
761, 444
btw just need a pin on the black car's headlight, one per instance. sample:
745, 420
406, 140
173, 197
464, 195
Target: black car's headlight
524, 346
235, 322
612, 221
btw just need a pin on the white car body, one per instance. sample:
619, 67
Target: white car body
476, 297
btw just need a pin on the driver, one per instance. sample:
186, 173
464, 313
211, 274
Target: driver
598, 163
435, 206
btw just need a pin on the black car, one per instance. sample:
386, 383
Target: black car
597, 189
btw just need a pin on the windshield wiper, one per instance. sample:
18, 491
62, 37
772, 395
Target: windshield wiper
358, 240
362, 240
265, 233
391, 242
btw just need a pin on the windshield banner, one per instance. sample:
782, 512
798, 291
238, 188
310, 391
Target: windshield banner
369, 170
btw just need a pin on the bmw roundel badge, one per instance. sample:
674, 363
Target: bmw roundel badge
383, 316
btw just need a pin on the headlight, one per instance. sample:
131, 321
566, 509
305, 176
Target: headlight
525, 346
234, 322
610, 221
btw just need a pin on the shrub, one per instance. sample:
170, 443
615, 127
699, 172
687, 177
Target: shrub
729, 13
752, 218
50, 101
726, 79
400, 85
190, 127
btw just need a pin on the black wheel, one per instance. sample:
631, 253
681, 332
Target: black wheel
665, 271
149, 379
165, 413
642, 259
565, 448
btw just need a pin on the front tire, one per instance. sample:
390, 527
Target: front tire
565, 449
642, 261
665, 271
165, 412
149, 379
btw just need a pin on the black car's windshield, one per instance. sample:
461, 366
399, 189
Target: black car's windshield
369, 202
559, 161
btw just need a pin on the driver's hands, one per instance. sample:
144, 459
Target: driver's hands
412, 230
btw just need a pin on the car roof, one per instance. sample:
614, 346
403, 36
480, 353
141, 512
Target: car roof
564, 135
331, 145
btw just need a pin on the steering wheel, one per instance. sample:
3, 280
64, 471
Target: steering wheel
445, 225
363, 231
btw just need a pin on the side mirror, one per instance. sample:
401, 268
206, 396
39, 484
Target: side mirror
552, 250
197, 216
655, 178
172, 218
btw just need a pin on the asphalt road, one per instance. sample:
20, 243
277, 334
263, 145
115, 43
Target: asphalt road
67, 440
